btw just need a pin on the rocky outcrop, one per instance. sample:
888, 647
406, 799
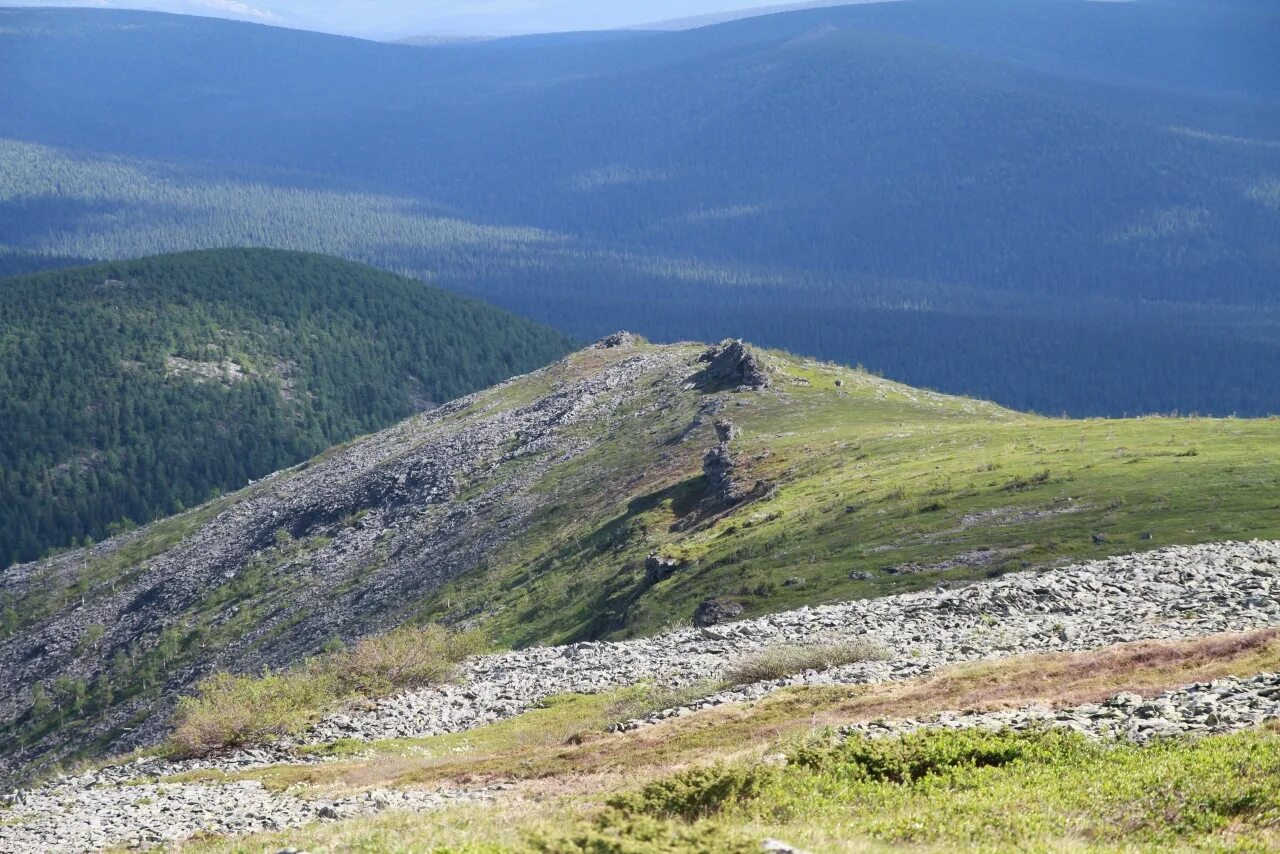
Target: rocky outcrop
731, 365
343, 546
711, 612
725, 486
726, 430
617, 339
658, 568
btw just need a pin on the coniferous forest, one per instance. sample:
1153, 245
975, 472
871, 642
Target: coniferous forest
133, 390
1060, 205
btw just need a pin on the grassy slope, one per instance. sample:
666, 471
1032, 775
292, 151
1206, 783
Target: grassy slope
1217, 793
872, 476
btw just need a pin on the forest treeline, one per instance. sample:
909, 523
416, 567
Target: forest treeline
991, 197
133, 390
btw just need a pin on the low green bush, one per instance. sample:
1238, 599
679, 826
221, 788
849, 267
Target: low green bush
696, 793
914, 756
230, 711
405, 658
942, 790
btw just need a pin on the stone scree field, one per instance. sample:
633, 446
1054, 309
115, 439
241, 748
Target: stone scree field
1172, 593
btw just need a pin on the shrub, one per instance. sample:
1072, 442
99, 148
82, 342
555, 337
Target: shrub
696, 793
230, 711
612, 832
928, 753
409, 657
782, 661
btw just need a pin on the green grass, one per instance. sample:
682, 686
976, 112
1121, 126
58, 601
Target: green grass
932, 791
970, 789
725, 779
881, 489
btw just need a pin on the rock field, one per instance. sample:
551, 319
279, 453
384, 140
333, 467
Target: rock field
1177, 592
1223, 705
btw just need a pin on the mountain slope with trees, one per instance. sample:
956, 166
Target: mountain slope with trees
616, 493
991, 197
135, 389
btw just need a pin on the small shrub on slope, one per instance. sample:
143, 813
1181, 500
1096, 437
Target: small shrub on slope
697, 793
405, 658
782, 661
230, 711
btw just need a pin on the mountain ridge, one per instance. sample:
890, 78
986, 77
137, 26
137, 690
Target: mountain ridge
609, 495
617, 188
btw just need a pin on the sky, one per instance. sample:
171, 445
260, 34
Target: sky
399, 18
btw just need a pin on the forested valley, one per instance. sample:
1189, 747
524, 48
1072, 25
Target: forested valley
133, 390
996, 198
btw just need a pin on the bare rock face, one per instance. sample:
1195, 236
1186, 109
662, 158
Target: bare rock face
726, 431
713, 611
657, 568
726, 487
732, 365
723, 490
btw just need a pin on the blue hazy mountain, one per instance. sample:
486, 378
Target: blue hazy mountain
1063, 205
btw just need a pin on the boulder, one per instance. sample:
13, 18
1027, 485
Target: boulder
726, 430
657, 568
617, 339
714, 611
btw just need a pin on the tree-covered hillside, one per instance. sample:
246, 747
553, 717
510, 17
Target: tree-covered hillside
1007, 199
131, 390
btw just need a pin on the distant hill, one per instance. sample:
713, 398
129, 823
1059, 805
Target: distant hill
1061, 205
131, 390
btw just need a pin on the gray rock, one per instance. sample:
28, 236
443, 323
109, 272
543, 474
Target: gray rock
617, 339
731, 364
713, 611
1173, 593
657, 568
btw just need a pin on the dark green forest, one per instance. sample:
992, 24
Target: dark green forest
1059, 204
133, 390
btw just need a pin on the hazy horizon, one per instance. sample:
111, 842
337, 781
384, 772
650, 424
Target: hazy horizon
391, 19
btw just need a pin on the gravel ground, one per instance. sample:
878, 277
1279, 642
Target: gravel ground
1174, 593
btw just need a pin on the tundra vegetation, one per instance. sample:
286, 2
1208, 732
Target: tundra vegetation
871, 488
717, 781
